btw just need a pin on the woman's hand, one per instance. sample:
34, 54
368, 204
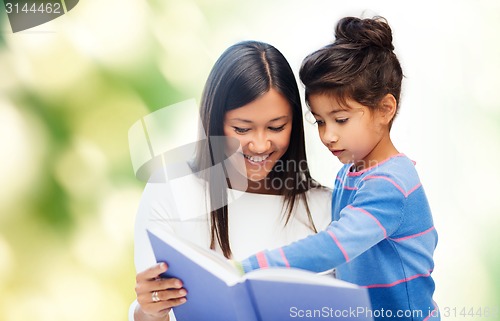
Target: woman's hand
156, 296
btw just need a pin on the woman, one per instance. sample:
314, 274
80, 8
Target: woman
249, 186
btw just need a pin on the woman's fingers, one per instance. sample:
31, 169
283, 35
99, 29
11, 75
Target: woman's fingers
157, 295
152, 272
162, 284
166, 295
165, 300
162, 295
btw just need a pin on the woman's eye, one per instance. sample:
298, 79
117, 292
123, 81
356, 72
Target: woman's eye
277, 129
240, 130
341, 120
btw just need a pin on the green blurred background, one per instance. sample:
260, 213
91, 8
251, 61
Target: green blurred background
71, 89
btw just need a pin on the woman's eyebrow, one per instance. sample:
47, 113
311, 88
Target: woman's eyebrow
242, 120
278, 118
249, 121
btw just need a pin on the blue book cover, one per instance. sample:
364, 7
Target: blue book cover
217, 291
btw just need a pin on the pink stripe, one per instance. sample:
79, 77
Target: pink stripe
287, 264
414, 235
406, 194
340, 179
413, 189
398, 282
371, 216
339, 246
350, 188
387, 179
261, 259
371, 167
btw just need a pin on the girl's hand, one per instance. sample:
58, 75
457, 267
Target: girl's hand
238, 266
155, 295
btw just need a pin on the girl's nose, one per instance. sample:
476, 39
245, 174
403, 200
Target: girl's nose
329, 136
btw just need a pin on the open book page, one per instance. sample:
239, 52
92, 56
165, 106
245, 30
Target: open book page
296, 276
291, 294
210, 260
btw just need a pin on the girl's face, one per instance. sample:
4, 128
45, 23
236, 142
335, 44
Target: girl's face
353, 133
263, 128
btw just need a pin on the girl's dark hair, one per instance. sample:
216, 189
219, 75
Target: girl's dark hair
360, 64
243, 73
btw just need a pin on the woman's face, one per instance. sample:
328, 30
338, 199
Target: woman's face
263, 128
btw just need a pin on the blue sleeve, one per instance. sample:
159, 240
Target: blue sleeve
373, 215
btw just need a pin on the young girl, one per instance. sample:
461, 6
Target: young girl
382, 236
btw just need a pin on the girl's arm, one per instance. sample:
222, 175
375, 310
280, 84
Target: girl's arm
374, 214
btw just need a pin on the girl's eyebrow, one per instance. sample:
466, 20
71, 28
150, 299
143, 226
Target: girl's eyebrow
330, 112
336, 111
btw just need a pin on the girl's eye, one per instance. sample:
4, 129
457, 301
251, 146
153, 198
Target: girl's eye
277, 129
341, 120
319, 122
241, 130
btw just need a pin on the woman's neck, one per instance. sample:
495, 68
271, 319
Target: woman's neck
256, 187
236, 181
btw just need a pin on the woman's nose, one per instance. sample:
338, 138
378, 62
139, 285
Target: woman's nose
259, 144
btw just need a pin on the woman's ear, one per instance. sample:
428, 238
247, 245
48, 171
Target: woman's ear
388, 108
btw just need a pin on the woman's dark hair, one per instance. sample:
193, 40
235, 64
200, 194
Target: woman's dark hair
360, 64
243, 73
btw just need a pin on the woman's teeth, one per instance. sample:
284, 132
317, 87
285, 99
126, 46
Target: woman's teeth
257, 159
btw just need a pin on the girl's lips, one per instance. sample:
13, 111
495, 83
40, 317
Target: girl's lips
337, 152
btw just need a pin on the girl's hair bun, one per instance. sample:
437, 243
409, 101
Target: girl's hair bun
362, 33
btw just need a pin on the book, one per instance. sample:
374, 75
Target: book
217, 290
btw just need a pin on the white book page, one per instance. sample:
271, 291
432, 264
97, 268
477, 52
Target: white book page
210, 260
